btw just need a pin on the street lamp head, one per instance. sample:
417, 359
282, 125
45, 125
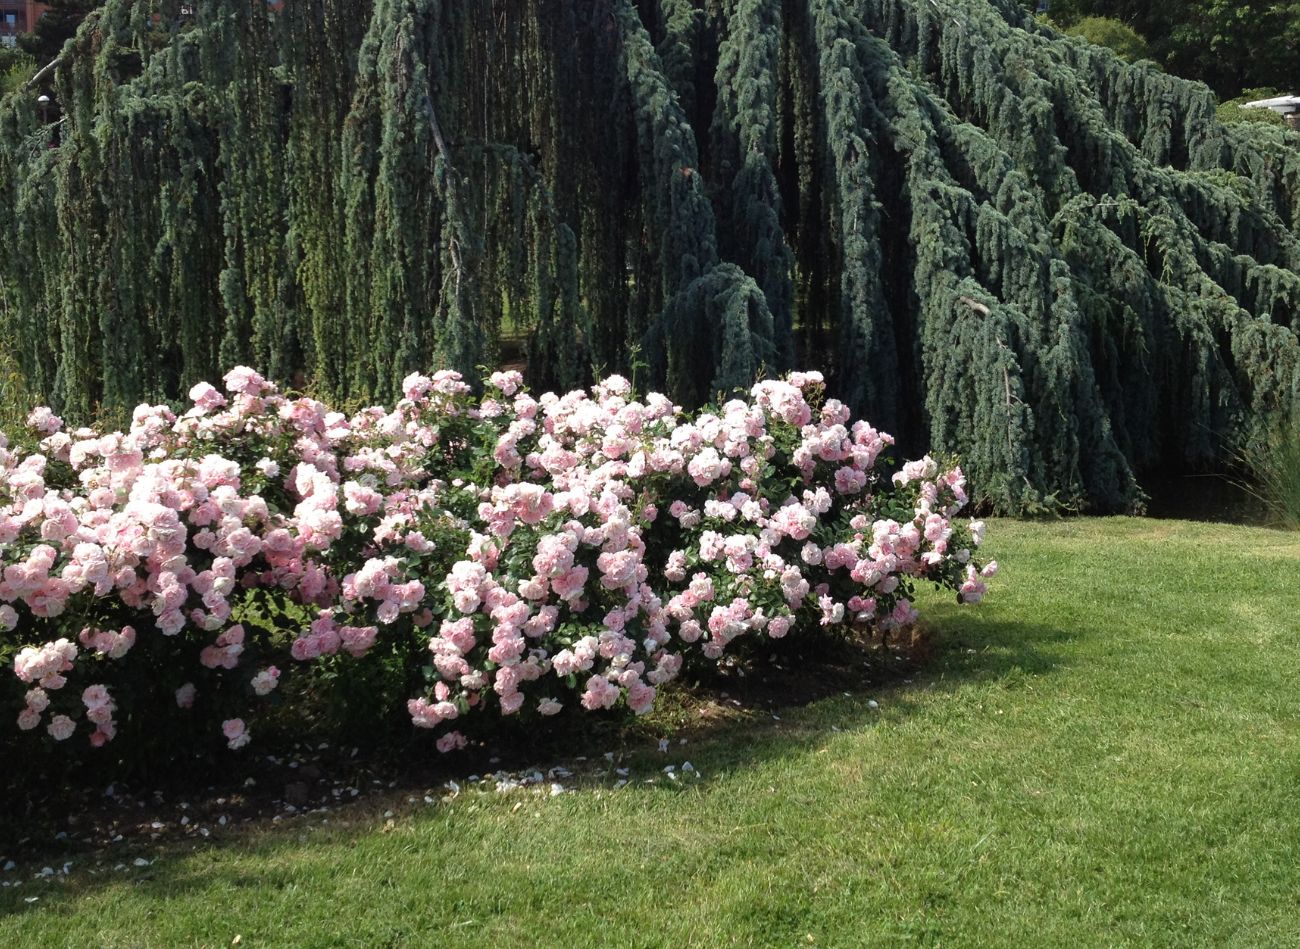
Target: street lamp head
44, 100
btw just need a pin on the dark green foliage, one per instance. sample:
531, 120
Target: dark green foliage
997, 242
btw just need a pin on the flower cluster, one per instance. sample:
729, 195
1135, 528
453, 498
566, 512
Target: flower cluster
531, 553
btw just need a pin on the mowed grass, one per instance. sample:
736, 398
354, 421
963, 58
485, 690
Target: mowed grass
1105, 753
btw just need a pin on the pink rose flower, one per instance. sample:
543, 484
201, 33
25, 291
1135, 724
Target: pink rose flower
236, 733
61, 727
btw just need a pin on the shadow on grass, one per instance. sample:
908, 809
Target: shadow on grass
782, 708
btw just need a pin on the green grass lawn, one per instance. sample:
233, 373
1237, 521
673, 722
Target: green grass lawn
1106, 752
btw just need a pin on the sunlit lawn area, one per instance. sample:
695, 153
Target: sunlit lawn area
1106, 752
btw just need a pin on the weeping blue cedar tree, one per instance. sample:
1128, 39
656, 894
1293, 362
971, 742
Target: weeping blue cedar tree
997, 242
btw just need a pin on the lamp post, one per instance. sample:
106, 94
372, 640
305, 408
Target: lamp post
52, 138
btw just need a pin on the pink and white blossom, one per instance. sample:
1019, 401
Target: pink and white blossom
529, 550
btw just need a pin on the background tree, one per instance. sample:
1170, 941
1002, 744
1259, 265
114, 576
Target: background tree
1115, 35
55, 28
1233, 46
1229, 45
16, 67
1234, 110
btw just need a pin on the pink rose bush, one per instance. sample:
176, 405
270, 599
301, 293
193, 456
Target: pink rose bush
519, 555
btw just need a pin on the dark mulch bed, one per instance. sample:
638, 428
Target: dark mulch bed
198, 801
